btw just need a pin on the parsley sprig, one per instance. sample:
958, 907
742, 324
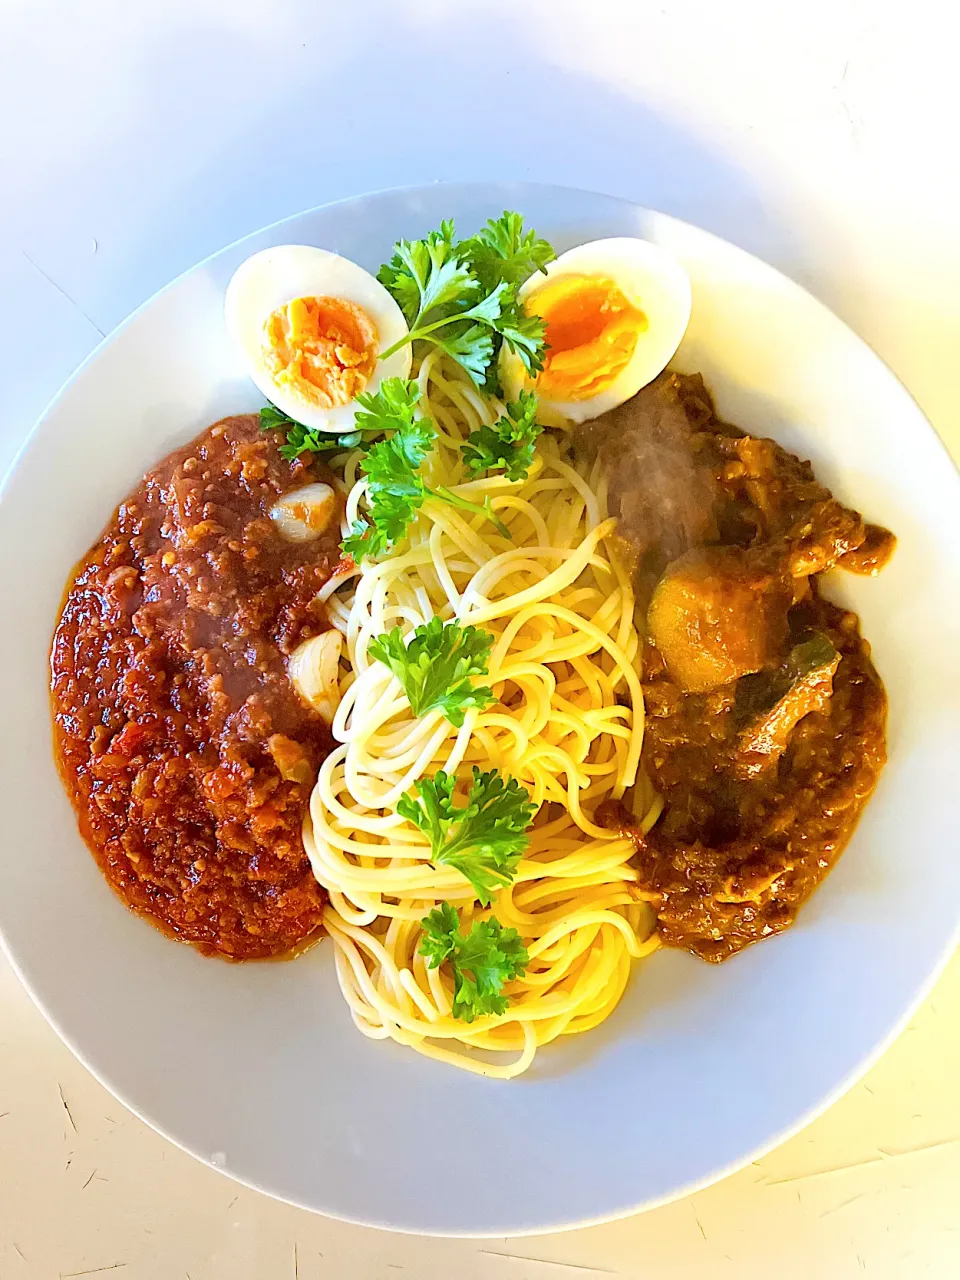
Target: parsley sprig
301, 439
505, 250
461, 296
395, 489
482, 960
436, 669
508, 445
482, 839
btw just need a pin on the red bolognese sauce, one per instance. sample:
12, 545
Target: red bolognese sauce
186, 750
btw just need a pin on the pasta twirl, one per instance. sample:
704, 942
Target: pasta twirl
567, 724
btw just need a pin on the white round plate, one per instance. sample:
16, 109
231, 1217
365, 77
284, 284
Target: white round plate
257, 1068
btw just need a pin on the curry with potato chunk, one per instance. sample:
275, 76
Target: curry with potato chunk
765, 716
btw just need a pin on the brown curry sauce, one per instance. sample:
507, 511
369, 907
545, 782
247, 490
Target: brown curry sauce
765, 722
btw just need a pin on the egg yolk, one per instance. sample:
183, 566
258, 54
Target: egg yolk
591, 334
322, 349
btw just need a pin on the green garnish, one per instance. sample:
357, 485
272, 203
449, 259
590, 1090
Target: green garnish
462, 296
301, 439
436, 668
423, 274
391, 408
503, 250
271, 417
482, 961
395, 490
482, 839
508, 445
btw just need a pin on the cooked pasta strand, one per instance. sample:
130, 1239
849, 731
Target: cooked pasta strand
567, 724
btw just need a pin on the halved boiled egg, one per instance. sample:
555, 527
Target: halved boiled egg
310, 327
615, 312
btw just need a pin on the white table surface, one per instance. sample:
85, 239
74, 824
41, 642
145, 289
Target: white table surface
135, 139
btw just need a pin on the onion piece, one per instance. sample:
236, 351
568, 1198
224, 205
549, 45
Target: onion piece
304, 514
314, 668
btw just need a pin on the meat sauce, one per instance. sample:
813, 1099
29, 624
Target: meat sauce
187, 753
765, 717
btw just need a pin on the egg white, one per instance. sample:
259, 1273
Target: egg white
653, 282
274, 277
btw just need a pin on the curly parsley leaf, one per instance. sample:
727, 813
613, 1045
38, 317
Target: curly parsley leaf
462, 297
509, 444
524, 335
482, 839
483, 960
395, 489
471, 346
505, 250
301, 439
425, 274
393, 407
490, 308
272, 418
437, 667
364, 540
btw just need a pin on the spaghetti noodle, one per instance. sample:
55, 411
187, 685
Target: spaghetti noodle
567, 725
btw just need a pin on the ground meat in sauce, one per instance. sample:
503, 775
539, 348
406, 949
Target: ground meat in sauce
765, 767
185, 749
